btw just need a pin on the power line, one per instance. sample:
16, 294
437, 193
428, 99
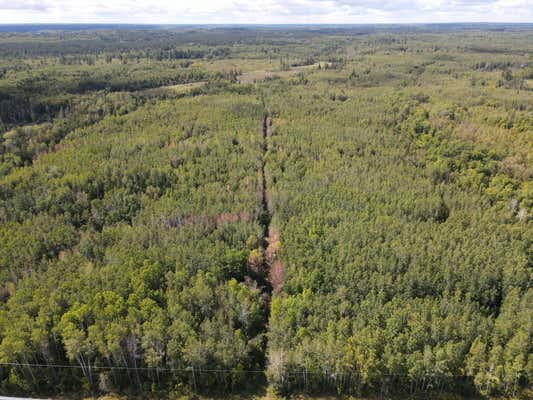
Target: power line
201, 370
126, 368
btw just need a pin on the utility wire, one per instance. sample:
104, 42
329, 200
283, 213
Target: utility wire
201, 370
126, 368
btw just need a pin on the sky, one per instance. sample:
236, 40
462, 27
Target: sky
264, 11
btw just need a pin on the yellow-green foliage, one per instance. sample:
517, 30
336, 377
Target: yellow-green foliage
395, 185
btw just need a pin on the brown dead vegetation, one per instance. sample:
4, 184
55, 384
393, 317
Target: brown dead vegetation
276, 272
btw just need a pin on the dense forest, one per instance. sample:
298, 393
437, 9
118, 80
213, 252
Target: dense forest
320, 210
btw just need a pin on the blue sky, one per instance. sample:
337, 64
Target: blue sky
264, 11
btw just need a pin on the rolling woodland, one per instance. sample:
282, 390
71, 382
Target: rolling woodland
318, 210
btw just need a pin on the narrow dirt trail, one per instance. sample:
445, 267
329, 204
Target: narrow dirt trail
265, 217
276, 272
272, 268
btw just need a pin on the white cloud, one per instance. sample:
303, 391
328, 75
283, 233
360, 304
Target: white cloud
263, 11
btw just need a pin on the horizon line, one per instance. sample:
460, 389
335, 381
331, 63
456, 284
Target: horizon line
270, 24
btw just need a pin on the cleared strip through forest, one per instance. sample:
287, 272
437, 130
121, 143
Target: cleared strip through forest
271, 271
264, 214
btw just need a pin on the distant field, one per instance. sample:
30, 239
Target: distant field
172, 89
257, 76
